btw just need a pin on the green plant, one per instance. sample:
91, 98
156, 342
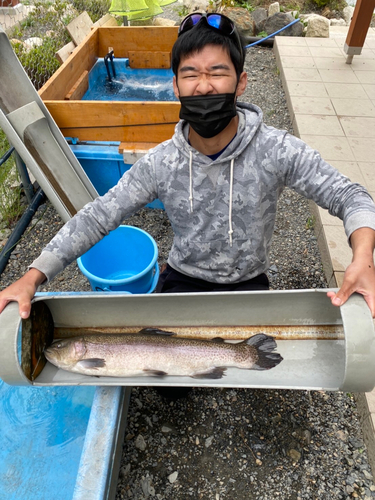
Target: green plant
321, 3
39, 62
310, 222
95, 8
182, 11
10, 200
262, 34
244, 4
227, 3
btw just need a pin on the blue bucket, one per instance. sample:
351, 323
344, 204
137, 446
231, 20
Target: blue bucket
123, 261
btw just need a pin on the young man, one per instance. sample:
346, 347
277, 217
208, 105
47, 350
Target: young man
219, 178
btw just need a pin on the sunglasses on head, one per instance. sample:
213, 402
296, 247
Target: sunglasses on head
218, 22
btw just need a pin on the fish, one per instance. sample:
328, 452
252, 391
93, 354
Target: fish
154, 352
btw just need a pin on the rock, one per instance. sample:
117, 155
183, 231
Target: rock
259, 18
367, 475
147, 488
32, 42
162, 21
208, 441
173, 477
278, 21
274, 8
342, 435
140, 443
242, 18
294, 455
338, 22
318, 27
196, 5
166, 428
124, 471
348, 14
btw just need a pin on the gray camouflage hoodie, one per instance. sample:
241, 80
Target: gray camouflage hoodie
222, 212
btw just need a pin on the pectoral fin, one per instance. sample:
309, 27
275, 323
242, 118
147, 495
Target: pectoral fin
92, 364
214, 373
156, 373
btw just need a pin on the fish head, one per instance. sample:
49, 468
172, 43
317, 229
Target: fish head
66, 352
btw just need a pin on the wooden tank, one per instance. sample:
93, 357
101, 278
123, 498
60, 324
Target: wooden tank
138, 125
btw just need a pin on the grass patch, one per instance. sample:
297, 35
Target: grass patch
11, 207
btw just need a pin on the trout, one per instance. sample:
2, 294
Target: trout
158, 353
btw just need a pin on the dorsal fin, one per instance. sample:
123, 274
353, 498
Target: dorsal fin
155, 331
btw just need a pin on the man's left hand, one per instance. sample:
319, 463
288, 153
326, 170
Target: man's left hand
360, 275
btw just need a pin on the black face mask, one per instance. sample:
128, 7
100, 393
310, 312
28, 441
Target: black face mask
208, 114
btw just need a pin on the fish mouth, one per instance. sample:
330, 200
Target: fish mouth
48, 353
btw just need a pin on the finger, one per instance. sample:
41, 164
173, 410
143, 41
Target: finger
24, 307
346, 290
335, 300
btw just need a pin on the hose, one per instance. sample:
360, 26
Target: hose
20, 228
272, 34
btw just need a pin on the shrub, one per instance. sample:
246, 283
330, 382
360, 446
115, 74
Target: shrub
39, 62
10, 200
95, 8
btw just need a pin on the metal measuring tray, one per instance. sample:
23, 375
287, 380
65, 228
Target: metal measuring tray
323, 346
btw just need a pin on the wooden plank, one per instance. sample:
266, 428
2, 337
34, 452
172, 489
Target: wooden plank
87, 114
132, 38
106, 20
116, 121
360, 23
83, 58
149, 59
63, 54
155, 133
136, 147
80, 27
79, 88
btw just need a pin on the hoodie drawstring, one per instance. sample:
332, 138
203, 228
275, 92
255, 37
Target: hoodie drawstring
230, 231
191, 181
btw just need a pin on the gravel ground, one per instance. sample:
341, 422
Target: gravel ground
234, 444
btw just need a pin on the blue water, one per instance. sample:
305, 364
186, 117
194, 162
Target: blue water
42, 431
129, 84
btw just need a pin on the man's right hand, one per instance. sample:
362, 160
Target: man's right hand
22, 291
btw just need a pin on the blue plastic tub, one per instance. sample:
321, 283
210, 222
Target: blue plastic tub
124, 260
104, 166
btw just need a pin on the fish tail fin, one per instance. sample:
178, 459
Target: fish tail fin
265, 345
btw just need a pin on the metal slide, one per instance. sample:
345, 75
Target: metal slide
323, 347
33, 132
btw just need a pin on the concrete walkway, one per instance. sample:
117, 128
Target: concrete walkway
332, 106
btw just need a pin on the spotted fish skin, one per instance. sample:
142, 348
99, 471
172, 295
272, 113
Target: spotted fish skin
159, 353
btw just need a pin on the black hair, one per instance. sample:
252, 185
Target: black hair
193, 41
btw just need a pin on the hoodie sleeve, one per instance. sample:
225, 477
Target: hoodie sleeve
136, 188
306, 172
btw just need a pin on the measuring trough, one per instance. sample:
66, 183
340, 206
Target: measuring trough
323, 347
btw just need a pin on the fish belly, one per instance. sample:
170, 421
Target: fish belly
159, 361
